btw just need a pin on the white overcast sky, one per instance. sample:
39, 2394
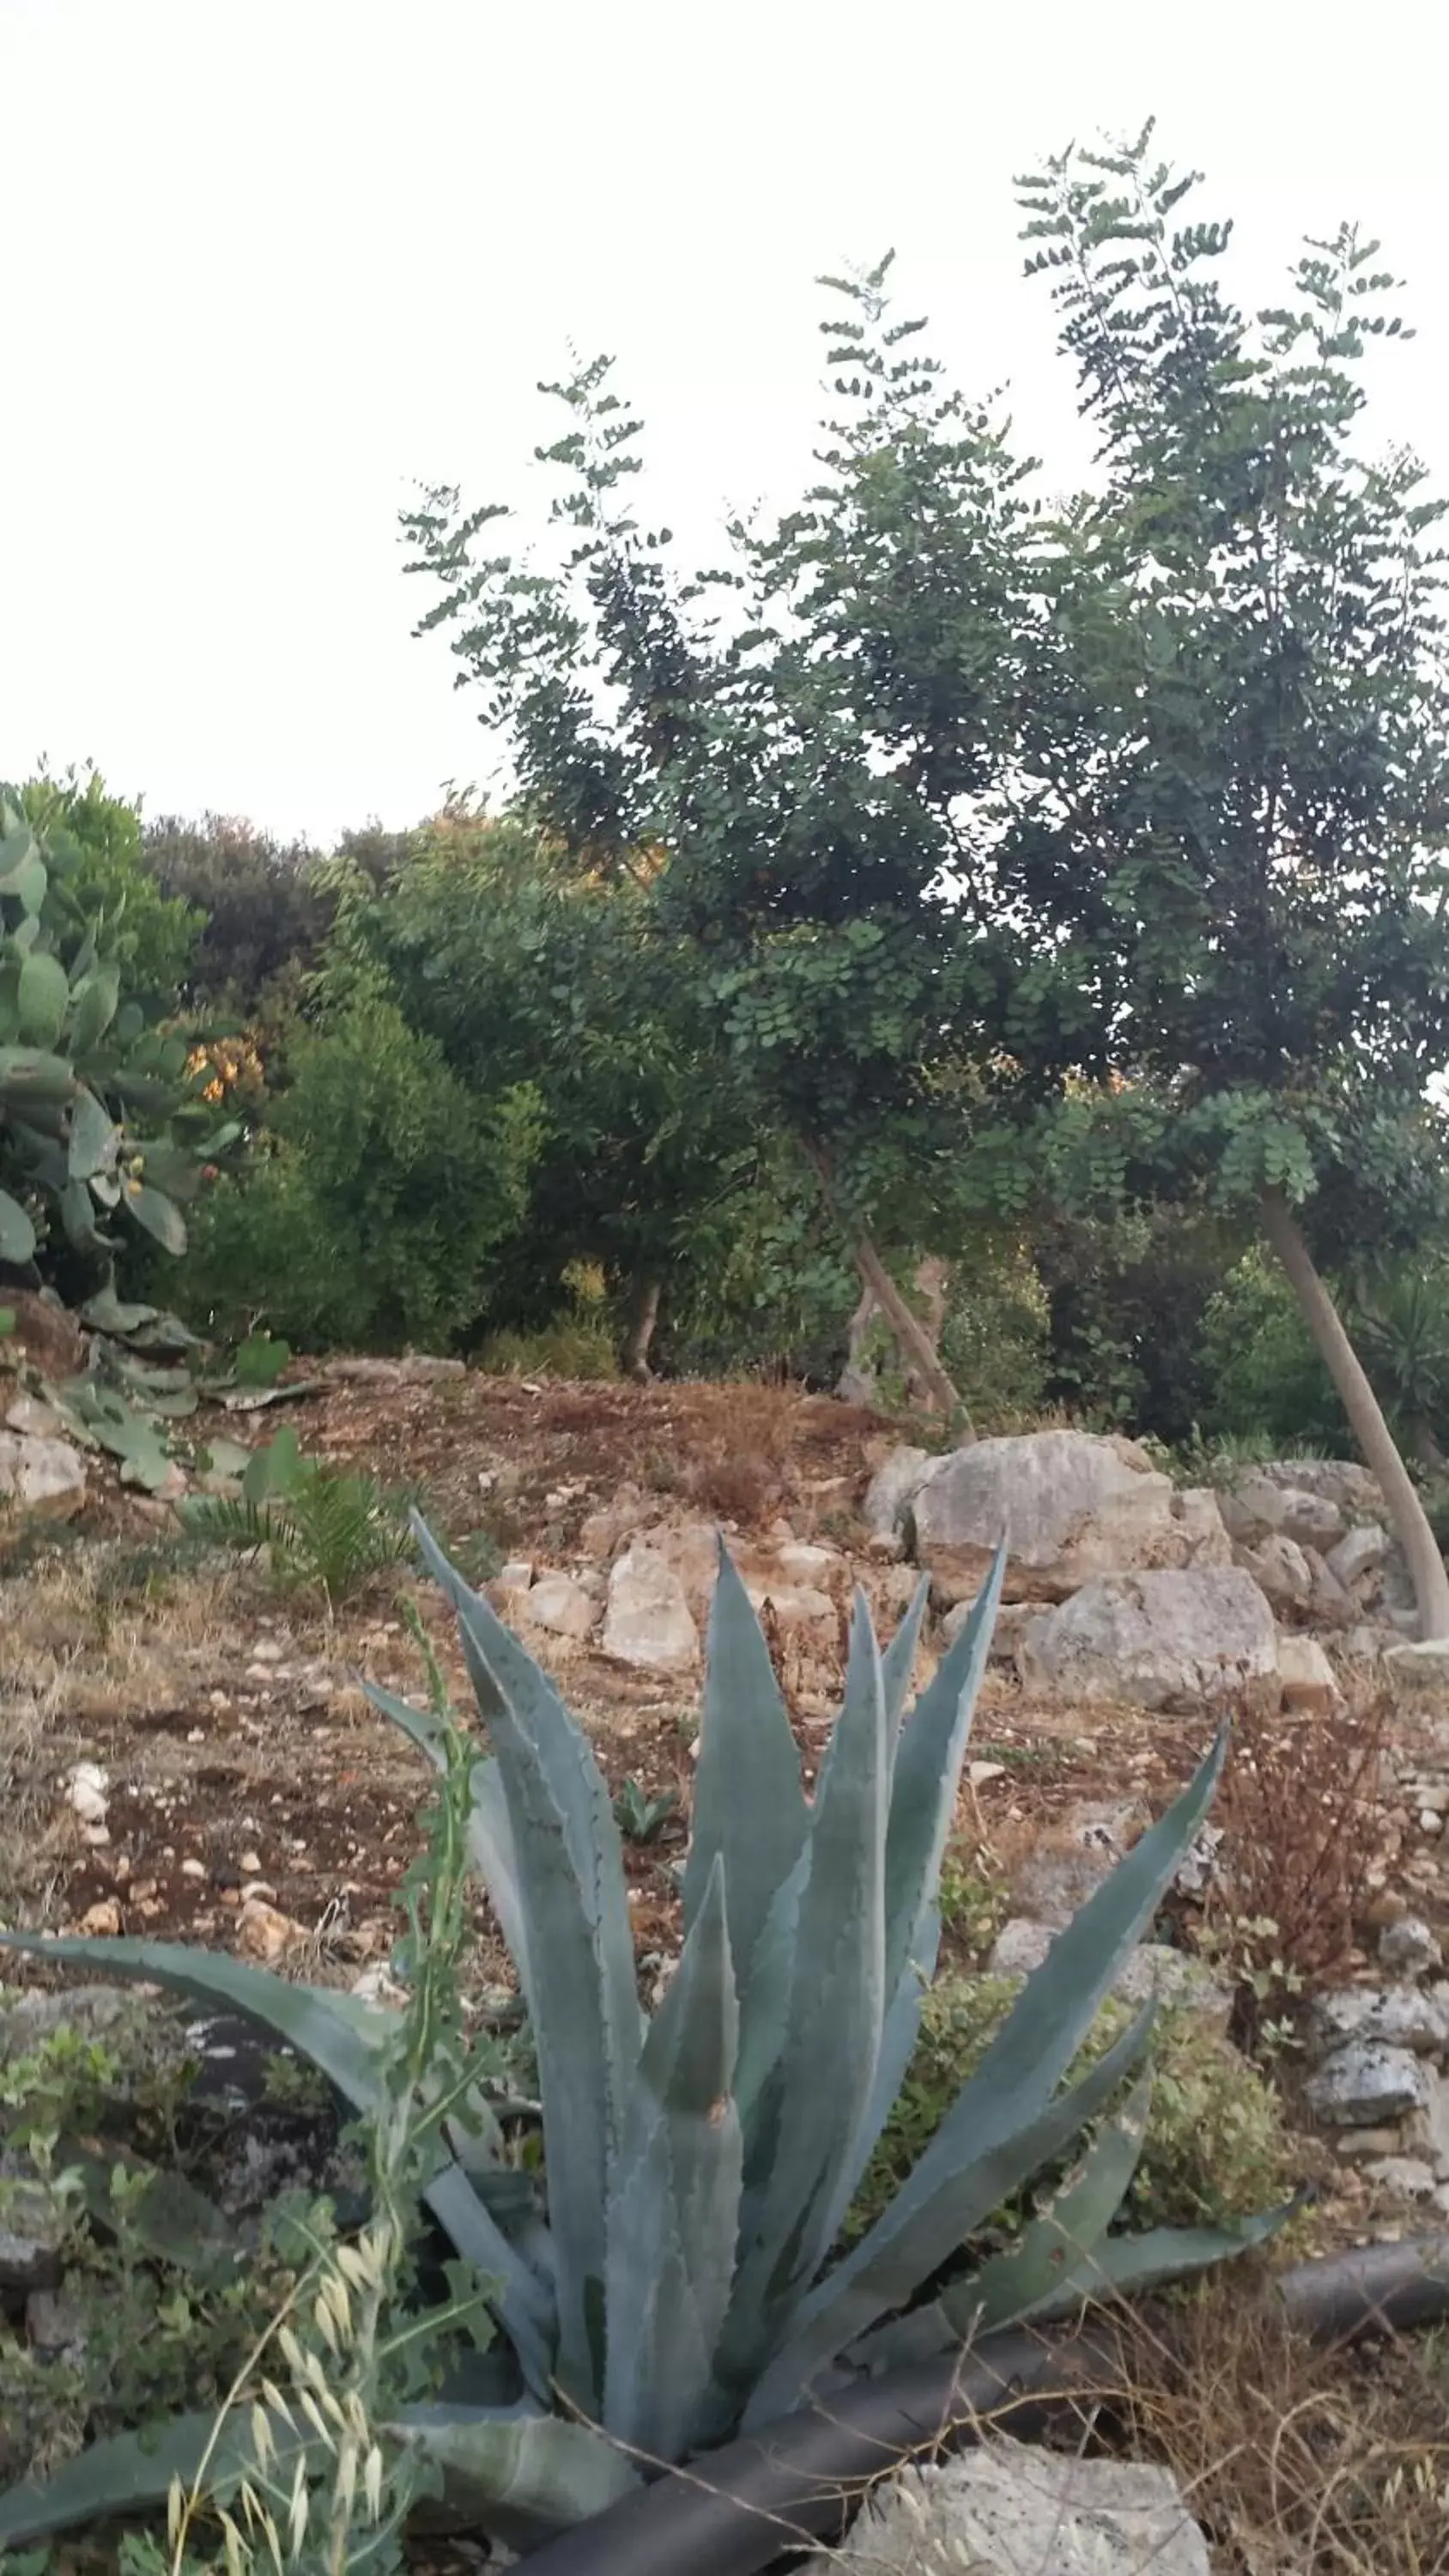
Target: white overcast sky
269, 263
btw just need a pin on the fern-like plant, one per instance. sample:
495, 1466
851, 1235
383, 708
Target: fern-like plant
323, 1529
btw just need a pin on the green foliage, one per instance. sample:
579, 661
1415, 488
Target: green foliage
162, 2306
98, 1114
1216, 2145
793, 770
376, 1216
153, 934
1261, 1376
699, 2166
262, 916
321, 1528
1236, 754
528, 966
640, 1818
994, 1342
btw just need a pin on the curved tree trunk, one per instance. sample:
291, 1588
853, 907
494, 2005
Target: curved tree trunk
915, 1343
1365, 1413
643, 1315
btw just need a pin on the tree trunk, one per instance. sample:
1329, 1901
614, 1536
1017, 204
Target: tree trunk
914, 1341
1365, 1413
643, 1315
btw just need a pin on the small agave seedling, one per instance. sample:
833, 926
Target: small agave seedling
684, 2278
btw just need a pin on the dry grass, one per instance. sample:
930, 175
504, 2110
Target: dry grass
1299, 1812
1297, 2461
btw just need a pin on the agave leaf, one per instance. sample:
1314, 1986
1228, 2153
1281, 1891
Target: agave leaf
1060, 2000
132, 2473
899, 2034
490, 1834
524, 2302
899, 1659
943, 2200
836, 2008
518, 2477
749, 1805
1143, 2262
1009, 2096
1031, 2273
580, 1954
675, 2211
307, 2017
927, 1775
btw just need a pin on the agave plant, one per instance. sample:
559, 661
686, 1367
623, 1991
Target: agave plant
685, 2277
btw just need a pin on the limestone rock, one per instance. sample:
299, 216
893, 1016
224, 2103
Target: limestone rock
1072, 1505
46, 1477
1410, 1947
1280, 1569
813, 1567
1020, 1946
560, 1606
1366, 2083
1008, 2509
33, 2228
1158, 1640
1205, 1536
794, 1606
1012, 1621
1340, 1481
1259, 1504
1361, 1552
647, 1620
1418, 1669
1394, 2016
893, 1488
1307, 1677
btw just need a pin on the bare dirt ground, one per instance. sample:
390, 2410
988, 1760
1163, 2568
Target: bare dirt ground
238, 1745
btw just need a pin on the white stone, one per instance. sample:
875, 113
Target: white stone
1306, 1677
1419, 1669
1178, 1981
515, 1576
893, 1488
1019, 1947
794, 1605
1071, 1505
1365, 2083
1410, 1948
810, 1566
1409, 2176
1360, 1553
561, 1606
647, 1621
1198, 1514
38, 1420
1280, 1569
46, 1477
1397, 2016
1307, 1500
88, 1786
1006, 2508
1157, 1640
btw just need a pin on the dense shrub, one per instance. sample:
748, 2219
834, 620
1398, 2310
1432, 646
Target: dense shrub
376, 1208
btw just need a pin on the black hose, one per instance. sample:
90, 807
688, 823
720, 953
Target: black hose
736, 2510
